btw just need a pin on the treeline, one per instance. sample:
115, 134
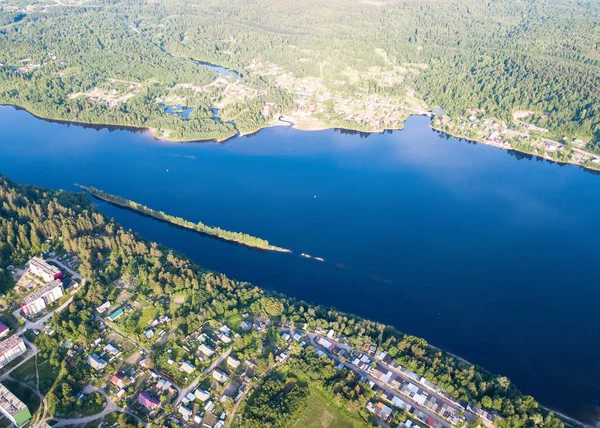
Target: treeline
240, 238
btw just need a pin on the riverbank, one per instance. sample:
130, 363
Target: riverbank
237, 237
501, 147
304, 124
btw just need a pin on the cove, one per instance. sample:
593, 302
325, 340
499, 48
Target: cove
488, 254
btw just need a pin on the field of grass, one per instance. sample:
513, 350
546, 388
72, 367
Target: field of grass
322, 412
47, 373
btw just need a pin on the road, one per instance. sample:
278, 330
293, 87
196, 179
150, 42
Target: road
186, 391
442, 422
109, 408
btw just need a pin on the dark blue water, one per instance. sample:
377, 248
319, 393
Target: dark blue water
490, 255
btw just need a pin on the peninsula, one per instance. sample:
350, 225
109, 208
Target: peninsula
217, 232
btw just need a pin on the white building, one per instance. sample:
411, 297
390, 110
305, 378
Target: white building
233, 362
206, 350
10, 349
40, 268
202, 395
187, 367
96, 362
14, 409
37, 301
220, 376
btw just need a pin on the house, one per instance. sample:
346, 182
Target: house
115, 315
206, 350
224, 338
96, 362
164, 385
233, 362
220, 376
246, 326
202, 395
285, 336
187, 367
149, 334
297, 336
119, 379
185, 412
325, 343
147, 400
12, 408
103, 307
331, 334
112, 350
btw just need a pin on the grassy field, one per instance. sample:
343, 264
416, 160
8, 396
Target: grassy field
321, 412
47, 373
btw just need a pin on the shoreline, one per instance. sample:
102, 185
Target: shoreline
508, 149
286, 121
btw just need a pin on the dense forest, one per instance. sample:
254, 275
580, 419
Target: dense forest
495, 56
34, 219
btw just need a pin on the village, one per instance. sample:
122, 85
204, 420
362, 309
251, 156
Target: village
198, 380
517, 135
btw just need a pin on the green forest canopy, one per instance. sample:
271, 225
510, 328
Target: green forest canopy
496, 55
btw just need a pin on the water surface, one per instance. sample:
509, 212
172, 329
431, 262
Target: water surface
487, 253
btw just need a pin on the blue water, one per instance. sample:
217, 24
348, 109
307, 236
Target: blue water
178, 110
488, 254
220, 69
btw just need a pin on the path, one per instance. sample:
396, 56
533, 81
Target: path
109, 408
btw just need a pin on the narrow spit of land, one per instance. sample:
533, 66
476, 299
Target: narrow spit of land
217, 232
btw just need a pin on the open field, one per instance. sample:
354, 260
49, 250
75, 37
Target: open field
321, 412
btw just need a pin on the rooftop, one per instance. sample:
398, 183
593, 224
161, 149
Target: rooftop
42, 265
46, 288
10, 343
13, 406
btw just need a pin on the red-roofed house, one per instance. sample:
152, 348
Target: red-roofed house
119, 379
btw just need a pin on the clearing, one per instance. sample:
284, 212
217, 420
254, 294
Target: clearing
322, 412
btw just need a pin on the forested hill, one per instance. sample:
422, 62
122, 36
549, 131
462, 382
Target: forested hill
537, 56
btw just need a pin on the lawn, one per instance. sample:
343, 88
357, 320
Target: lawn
47, 373
322, 412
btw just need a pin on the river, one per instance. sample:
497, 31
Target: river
489, 254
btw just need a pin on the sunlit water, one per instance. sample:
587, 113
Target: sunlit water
488, 254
